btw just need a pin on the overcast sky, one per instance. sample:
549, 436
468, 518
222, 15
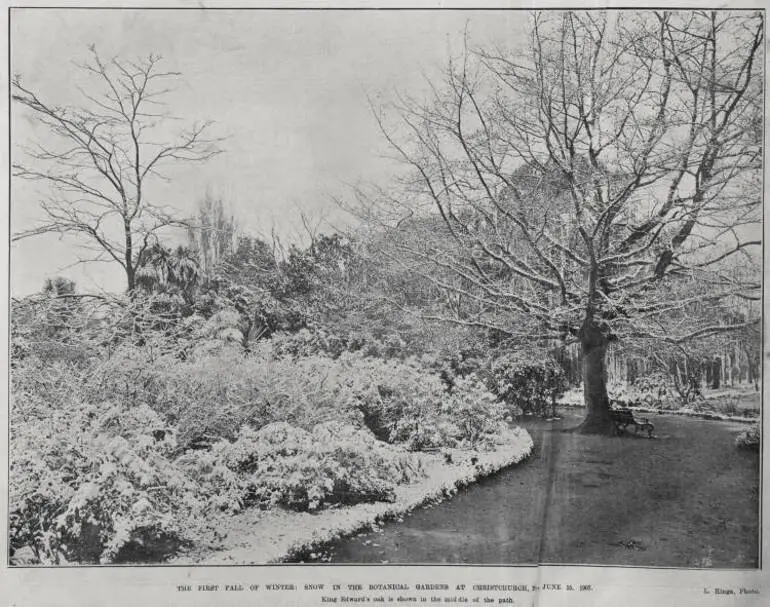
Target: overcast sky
289, 88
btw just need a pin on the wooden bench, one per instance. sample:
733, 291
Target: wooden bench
624, 418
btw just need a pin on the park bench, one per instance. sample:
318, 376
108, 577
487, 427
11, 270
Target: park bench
624, 418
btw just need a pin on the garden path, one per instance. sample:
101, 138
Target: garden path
686, 499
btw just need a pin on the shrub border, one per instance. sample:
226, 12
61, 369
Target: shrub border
437, 495
360, 517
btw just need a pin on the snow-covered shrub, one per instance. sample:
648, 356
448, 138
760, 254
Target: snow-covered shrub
652, 390
400, 401
356, 449
51, 331
130, 375
460, 363
403, 403
204, 398
307, 342
421, 427
527, 381
749, 439
318, 341
285, 465
475, 413
209, 397
95, 483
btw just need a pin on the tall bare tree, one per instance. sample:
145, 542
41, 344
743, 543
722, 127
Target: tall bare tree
577, 179
99, 158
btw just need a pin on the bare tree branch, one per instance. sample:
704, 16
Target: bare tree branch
105, 156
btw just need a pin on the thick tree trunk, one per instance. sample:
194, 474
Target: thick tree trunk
594, 349
716, 372
130, 279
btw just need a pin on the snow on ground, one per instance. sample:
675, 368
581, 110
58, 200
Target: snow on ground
750, 410
258, 537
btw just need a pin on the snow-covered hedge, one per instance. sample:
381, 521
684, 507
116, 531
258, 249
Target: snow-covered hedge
95, 483
126, 458
279, 536
280, 464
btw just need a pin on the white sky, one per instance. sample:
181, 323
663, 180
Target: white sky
289, 88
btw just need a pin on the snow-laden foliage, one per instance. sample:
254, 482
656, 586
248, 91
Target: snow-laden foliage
93, 482
527, 382
124, 458
281, 464
403, 403
210, 396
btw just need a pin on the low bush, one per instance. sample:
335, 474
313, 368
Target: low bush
399, 401
453, 363
476, 413
527, 382
653, 390
467, 417
284, 465
749, 439
403, 403
94, 483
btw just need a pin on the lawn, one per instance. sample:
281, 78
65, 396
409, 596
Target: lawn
688, 498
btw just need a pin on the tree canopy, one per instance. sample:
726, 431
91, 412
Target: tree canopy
577, 180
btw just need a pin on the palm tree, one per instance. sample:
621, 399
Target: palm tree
162, 270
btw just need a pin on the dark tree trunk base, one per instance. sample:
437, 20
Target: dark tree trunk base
594, 348
597, 425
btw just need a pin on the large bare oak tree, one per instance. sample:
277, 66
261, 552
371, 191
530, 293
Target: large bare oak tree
577, 180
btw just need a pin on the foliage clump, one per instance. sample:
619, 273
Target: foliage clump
281, 464
94, 482
527, 382
403, 403
749, 439
122, 457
